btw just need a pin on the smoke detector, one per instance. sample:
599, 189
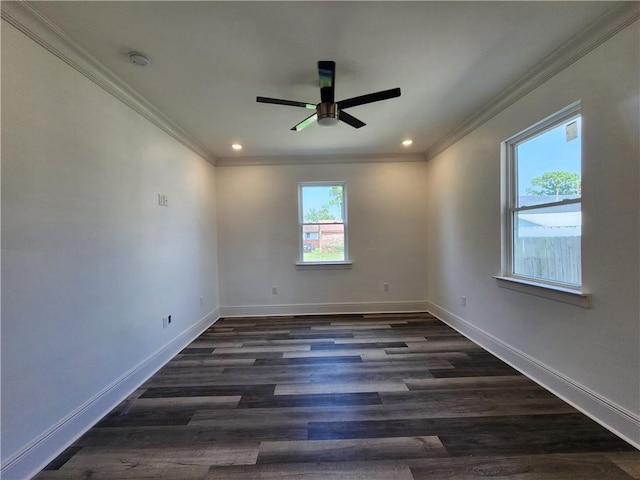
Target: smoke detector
139, 59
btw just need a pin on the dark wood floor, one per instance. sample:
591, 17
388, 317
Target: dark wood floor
375, 397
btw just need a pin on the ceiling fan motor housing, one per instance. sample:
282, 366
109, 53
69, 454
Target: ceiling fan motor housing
327, 114
328, 111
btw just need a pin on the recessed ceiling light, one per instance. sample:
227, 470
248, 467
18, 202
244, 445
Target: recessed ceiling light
236, 146
407, 142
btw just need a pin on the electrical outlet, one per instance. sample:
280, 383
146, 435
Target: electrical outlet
274, 290
385, 287
165, 322
463, 301
202, 301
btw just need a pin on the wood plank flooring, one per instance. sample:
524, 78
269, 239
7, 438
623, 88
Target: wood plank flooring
366, 397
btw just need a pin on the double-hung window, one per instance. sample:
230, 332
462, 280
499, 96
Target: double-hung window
322, 222
544, 213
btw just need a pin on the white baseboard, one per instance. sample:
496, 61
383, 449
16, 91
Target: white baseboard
615, 418
37, 454
321, 308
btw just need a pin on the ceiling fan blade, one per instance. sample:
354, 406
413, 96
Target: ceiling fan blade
327, 76
369, 98
305, 123
351, 120
290, 103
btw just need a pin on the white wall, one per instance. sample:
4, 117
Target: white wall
90, 262
258, 235
595, 352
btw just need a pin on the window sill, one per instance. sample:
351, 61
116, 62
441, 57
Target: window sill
552, 292
323, 265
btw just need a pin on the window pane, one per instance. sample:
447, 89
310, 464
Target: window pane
546, 243
322, 202
548, 166
325, 242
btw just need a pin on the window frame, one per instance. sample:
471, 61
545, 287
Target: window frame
301, 223
511, 209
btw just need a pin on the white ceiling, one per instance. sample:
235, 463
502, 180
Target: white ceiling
209, 61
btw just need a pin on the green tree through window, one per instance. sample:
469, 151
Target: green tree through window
555, 183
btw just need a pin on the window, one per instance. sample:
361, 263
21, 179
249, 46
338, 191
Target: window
544, 217
322, 222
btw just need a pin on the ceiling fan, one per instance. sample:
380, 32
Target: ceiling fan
328, 112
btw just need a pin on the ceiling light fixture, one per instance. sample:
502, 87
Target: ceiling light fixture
407, 142
328, 111
236, 146
139, 59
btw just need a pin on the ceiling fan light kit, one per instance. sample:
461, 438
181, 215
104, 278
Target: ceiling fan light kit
328, 111
328, 114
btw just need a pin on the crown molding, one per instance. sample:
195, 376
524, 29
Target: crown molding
36, 26
323, 159
41, 30
598, 32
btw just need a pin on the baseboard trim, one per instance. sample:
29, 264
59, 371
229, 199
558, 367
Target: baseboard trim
321, 308
613, 417
37, 454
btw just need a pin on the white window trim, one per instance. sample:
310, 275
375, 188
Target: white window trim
529, 285
539, 289
332, 264
323, 265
